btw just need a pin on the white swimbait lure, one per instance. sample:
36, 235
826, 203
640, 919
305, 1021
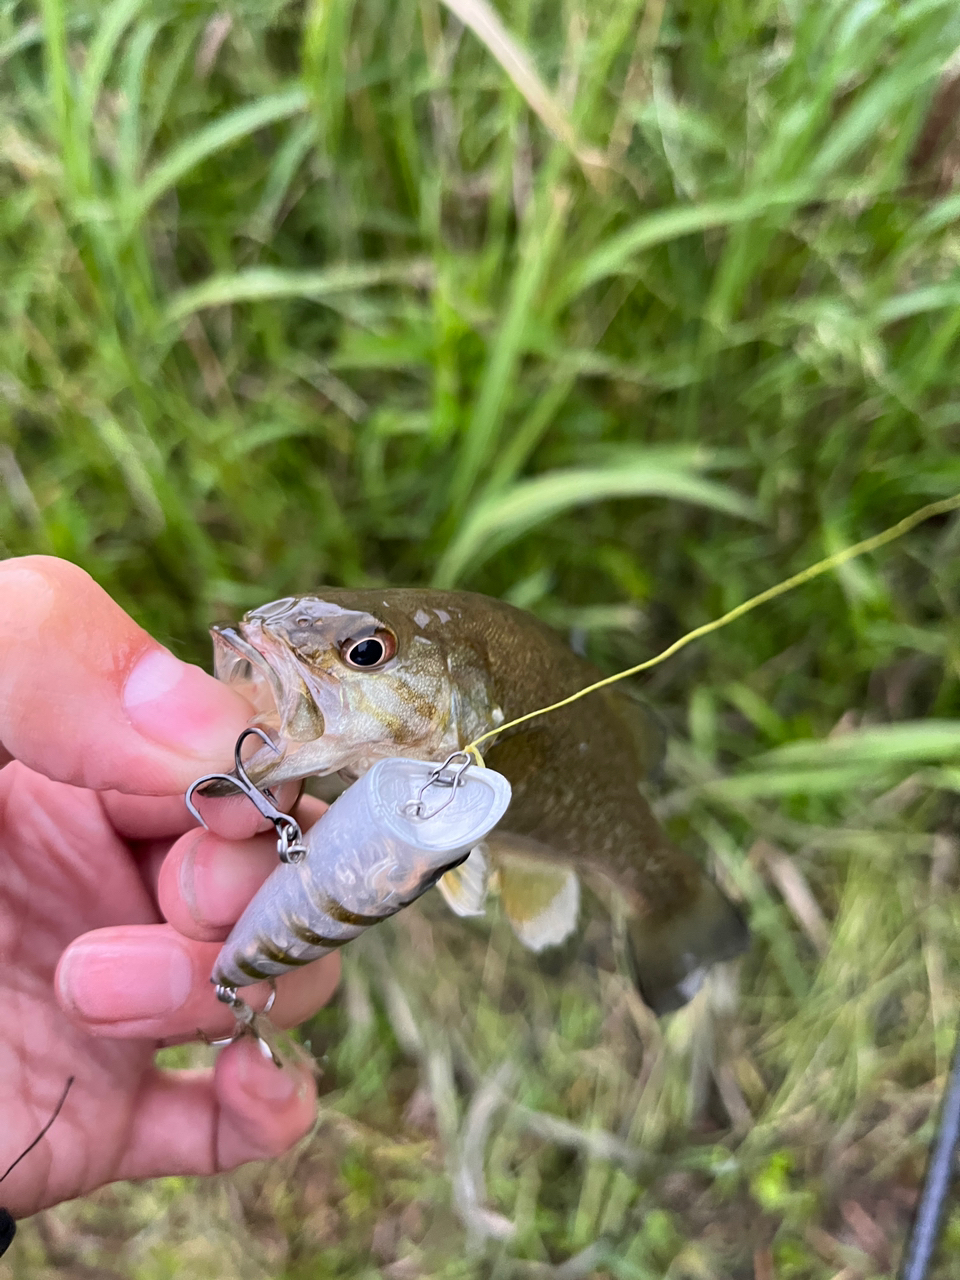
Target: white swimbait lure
378, 848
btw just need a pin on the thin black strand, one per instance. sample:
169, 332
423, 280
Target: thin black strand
8, 1227
44, 1131
929, 1217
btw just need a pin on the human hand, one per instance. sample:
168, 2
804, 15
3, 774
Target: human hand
101, 731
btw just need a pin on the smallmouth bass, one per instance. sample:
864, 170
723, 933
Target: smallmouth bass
343, 679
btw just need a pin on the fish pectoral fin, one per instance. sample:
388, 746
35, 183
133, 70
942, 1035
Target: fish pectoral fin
464, 887
541, 902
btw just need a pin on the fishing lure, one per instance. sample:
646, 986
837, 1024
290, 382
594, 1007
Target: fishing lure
378, 848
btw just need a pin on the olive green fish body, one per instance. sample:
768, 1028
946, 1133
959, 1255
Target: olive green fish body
345, 678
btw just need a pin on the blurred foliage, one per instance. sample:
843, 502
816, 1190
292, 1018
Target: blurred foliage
303, 293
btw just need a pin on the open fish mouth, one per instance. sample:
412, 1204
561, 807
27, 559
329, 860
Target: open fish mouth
283, 708
236, 662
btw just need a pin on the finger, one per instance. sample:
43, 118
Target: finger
150, 982
155, 817
206, 882
88, 697
204, 1122
149, 857
147, 817
236, 818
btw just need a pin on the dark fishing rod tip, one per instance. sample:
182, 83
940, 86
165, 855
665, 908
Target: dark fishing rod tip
921, 1247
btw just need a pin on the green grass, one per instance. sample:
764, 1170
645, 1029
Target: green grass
326, 303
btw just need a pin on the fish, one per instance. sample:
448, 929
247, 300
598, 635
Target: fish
342, 679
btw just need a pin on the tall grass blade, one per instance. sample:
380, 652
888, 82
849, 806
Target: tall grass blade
288, 160
501, 520
486, 24
665, 225
59, 77
479, 439
214, 137
30, 33
260, 284
114, 21
909, 742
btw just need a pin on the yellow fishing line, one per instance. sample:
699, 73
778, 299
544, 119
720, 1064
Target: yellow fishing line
805, 575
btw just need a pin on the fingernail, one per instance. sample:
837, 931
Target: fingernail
178, 705
218, 877
125, 980
262, 1078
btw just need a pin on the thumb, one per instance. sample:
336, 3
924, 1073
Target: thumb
88, 697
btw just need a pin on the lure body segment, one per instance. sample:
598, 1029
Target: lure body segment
369, 856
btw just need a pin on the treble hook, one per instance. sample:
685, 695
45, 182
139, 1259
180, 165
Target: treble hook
290, 846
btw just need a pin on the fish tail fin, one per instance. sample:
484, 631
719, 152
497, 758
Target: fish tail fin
670, 959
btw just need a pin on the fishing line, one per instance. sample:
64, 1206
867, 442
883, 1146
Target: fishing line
797, 580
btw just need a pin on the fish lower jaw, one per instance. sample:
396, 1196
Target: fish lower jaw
267, 769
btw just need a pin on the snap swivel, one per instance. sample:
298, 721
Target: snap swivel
442, 776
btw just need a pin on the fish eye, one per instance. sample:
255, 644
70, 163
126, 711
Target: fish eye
373, 651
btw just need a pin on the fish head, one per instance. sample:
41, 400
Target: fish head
338, 686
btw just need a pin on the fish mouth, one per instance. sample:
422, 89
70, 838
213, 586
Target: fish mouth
236, 662
284, 708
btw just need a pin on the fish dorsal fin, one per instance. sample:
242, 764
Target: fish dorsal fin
464, 887
541, 900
